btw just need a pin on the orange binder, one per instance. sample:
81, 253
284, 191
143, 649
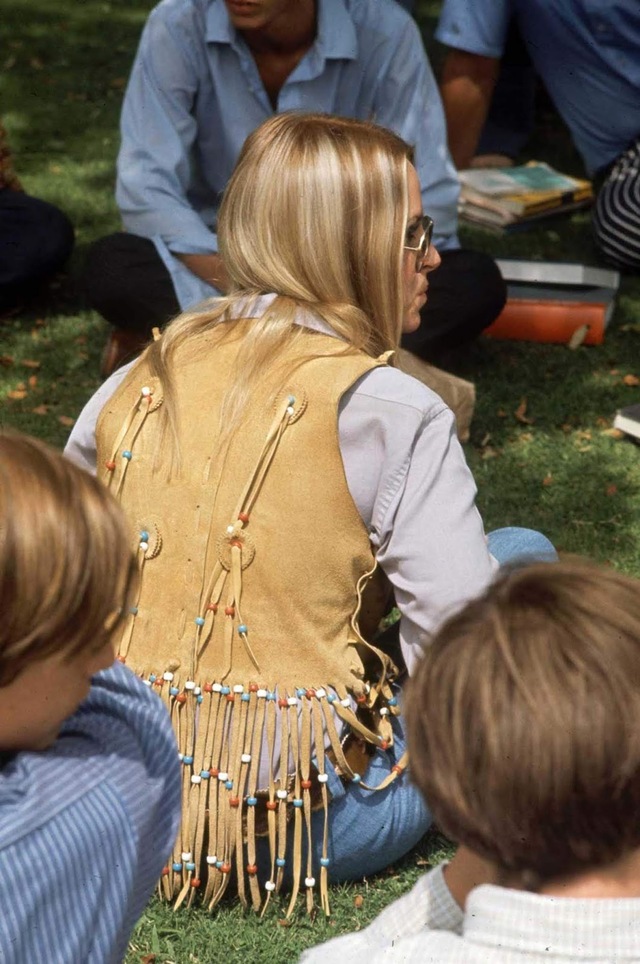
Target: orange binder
529, 319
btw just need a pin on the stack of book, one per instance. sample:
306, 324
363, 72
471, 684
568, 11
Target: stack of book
555, 302
514, 198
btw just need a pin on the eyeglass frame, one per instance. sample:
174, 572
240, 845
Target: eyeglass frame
425, 242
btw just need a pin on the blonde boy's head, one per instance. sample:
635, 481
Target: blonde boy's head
524, 721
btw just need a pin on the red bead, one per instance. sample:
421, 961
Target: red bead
164, 871
384, 744
214, 772
271, 805
283, 703
208, 688
110, 465
234, 801
225, 869
181, 698
237, 543
212, 607
195, 881
159, 681
361, 699
243, 517
396, 769
310, 694
121, 659
305, 784
252, 870
253, 687
229, 610
231, 697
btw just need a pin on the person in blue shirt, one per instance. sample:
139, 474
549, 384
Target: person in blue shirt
89, 770
587, 54
207, 73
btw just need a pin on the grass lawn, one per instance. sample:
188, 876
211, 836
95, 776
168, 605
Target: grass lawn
63, 73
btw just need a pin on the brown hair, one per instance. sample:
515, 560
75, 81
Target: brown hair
67, 568
524, 721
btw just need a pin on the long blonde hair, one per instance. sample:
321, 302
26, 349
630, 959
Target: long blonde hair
315, 212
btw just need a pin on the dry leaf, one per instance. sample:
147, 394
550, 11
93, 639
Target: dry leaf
149, 959
603, 422
358, 901
65, 420
614, 371
6, 361
566, 428
284, 922
612, 489
17, 394
548, 480
521, 413
33, 381
30, 363
578, 337
40, 410
489, 452
633, 326
631, 380
614, 433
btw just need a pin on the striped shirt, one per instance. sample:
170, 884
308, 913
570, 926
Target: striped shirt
86, 826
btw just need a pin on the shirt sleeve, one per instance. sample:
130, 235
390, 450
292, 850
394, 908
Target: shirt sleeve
158, 131
476, 26
428, 906
81, 444
86, 827
408, 101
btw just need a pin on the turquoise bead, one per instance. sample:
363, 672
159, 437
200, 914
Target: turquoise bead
280, 861
242, 628
252, 801
187, 760
190, 866
199, 621
176, 867
229, 784
205, 774
144, 536
245, 697
173, 690
297, 802
225, 690
127, 455
324, 861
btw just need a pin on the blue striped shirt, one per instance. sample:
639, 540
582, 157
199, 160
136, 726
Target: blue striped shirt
86, 826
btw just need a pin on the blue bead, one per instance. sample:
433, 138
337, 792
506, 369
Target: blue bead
356, 778
297, 802
242, 628
199, 621
218, 864
245, 697
190, 866
331, 697
176, 867
280, 861
173, 690
127, 455
144, 536
271, 696
324, 861
152, 678
225, 691
300, 693
229, 784
187, 760
291, 400
205, 774
393, 701
252, 801
134, 610
199, 698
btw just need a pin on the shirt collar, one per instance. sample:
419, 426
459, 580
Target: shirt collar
336, 38
254, 306
606, 929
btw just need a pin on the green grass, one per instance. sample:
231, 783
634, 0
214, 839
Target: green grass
61, 83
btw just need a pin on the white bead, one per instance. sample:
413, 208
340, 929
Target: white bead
196, 778
230, 530
189, 685
223, 777
346, 702
167, 676
144, 546
246, 758
322, 778
211, 859
309, 881
145, 391
147, 682
281, 794
292, 701
384, 711
181, 757
367, 688
216, 687
197, 691
269, 886
262, 694
320, 693
290, 410
186, 856
238, 688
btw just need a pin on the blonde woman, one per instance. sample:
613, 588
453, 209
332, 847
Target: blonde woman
281, 478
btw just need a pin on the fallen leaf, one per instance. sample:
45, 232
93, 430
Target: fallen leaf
6, 361
633, 326
65, 420
521, 413
33, 381
614, 371
566, 428
548, 480
614, 433
584, 435
40, 410
631, 380
284, 922
17, 394
578, 337
358, 901
149, 959
612, 489
30, 363
602, 422
489, 452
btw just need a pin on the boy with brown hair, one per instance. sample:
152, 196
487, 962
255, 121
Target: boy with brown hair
524, 735
89, 772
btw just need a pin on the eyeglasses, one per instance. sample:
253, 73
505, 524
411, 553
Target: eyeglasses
423, 245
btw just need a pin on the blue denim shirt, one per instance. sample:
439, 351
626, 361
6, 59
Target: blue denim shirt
587, 52
195, 94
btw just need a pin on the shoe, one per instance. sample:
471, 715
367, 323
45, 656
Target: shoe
122, 346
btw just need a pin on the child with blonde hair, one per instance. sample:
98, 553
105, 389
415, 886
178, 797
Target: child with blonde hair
89, 774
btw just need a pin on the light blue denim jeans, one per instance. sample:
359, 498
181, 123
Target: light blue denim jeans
369, 831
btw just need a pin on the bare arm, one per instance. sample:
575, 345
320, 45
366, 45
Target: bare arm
467, 85
209, 267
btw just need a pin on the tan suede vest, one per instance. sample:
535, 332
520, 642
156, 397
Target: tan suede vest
253, 563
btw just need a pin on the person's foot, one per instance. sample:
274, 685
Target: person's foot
122, 346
